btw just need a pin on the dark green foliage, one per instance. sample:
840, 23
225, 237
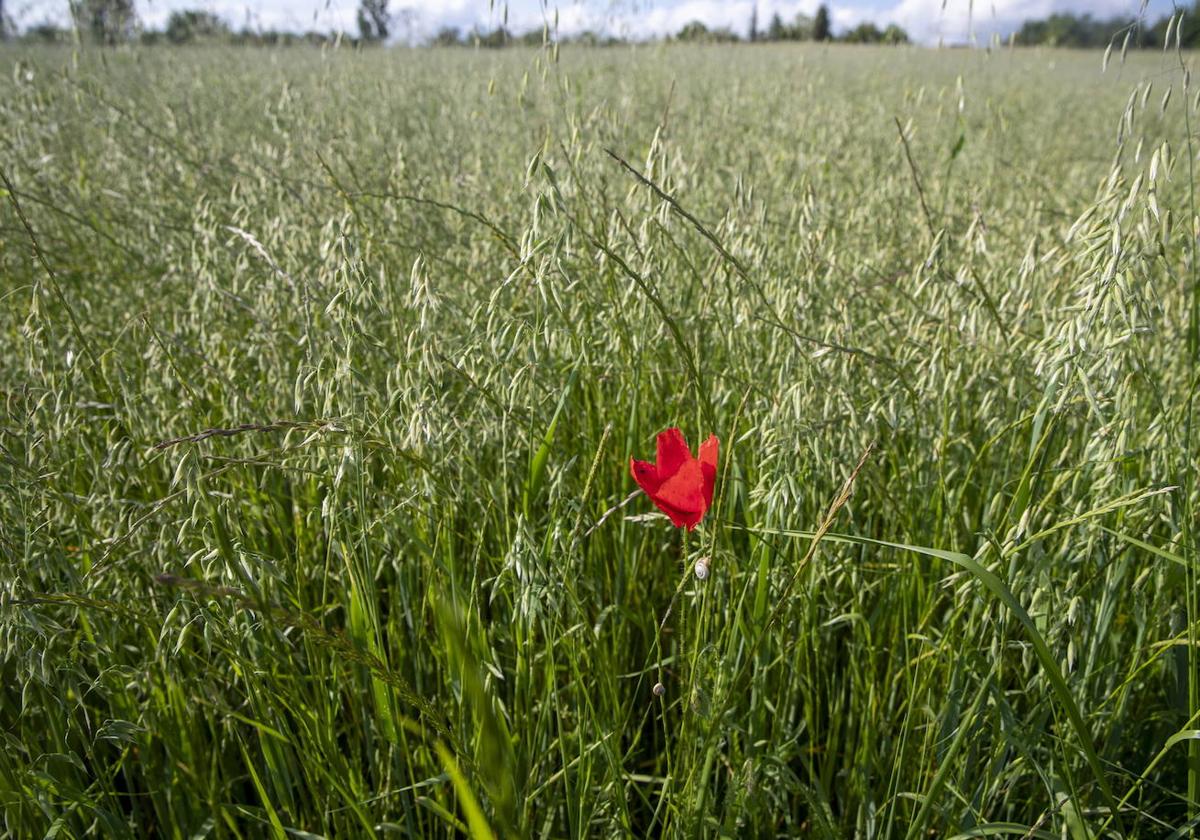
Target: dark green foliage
869, 33
374, 21
533, 38
1070, 30
822, 30
45, 33
588, 38
776, 30
186, 27
800, 29
1189, 28
697, 32
693, 31
492, 39
275, 38
107, 22
864, 33
447, 36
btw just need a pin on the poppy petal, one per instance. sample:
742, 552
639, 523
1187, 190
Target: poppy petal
673, 452
679, 518
684, 490
708, 466
646, 475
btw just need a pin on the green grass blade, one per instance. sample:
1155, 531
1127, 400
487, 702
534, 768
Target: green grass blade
476, 821
1002, 593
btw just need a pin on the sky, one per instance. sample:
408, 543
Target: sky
926, 21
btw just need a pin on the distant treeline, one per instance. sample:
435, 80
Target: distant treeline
183, 27
1067, 30
801, 28
115, 21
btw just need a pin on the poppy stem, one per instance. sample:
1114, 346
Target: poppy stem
680, 657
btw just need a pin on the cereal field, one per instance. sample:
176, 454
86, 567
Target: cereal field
322, 370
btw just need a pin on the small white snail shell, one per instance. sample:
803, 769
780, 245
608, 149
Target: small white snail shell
659, 689
702, 568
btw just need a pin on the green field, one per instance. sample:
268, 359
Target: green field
433, 301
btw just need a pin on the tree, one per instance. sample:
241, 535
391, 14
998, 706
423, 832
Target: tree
492, 40
45, 33
1068, 30
187, 26
696, 31
373, 20
1186, 29
864, 33
801, 29
447, 36
590, 38
775, 31
106, 21
869, 33
821, 28
534, 38
753, 23
1189, 27
6, 29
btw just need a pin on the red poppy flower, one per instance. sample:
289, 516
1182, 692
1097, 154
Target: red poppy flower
679, 484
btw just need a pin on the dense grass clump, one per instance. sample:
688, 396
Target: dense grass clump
321, 376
